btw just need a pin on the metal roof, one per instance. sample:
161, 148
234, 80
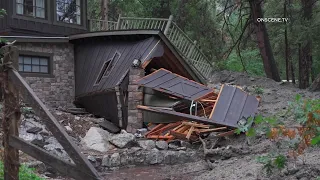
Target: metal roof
232, 105
174, 84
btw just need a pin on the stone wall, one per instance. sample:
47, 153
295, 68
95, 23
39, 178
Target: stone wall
59, 89
135, 95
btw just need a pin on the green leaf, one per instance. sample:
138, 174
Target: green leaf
251, 132
258, 119
237, 131
298, 97
315, 140
280, 161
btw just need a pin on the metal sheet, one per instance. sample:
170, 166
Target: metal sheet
232, 105
174, 84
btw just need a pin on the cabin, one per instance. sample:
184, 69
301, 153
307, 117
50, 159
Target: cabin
70, 60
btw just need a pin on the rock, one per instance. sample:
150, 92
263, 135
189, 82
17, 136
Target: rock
34, 130
162, 145
115, 160
91, 159
147, 144
55, 148
77, 118
185, 144
97, 139
39, 143
171, 157
154, 157
183, 157
252, 79
173, 146
122, 140
109, 126
106, 161
68, 128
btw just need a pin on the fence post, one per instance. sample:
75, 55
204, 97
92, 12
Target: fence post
166, 30
119, 21
192, 49
11, 115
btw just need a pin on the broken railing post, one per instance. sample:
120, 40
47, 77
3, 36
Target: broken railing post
166, 30
192, 49
118, 22
11, 114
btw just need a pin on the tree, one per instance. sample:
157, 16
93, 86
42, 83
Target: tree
315, 86
262, 36
305, 57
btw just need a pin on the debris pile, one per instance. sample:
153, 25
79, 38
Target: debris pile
192, 110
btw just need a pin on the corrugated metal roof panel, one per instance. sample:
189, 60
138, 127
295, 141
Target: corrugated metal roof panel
174, 84
232, 105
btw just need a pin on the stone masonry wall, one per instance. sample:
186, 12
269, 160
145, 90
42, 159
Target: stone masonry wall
135, 96
58, 90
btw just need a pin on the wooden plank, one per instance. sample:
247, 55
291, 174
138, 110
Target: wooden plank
209, 130
11, 115
159, 137
166, 127
157, 127
183, 116
229, 133
183, 136
52, 124
60, 165
190, 132
196, 125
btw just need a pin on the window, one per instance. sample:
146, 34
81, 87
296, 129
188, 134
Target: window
68, 11
33, 8
107, 67
34, 64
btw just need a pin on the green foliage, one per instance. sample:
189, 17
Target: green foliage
271, 162
251, 60
258, 90
2, 13
25, 173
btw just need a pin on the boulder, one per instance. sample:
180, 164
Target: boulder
147, 144
97, 139
162, 145
122, 140
154, 157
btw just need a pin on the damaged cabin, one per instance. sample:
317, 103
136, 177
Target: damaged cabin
131, 71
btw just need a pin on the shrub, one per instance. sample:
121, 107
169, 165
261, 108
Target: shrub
25, 173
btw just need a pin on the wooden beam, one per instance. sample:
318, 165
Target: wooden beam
11, 115
53, 125
60, 165
183, 116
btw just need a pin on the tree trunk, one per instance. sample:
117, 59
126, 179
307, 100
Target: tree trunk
286, 41
269, 63
315, 86
305, 58
104, 13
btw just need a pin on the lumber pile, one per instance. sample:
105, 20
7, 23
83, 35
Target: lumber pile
184, 130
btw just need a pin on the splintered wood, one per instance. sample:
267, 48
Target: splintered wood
183, 130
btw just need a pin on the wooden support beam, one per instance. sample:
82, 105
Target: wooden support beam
53, 125
183, 116
11, 115
60, 165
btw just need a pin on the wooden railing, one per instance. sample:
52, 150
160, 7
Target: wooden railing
187, 48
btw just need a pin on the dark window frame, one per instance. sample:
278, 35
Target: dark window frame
38, 54
109, 64
47, 18
83, 18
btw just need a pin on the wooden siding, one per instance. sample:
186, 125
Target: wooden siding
3, 21
104, 105
90, 57
18, 25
